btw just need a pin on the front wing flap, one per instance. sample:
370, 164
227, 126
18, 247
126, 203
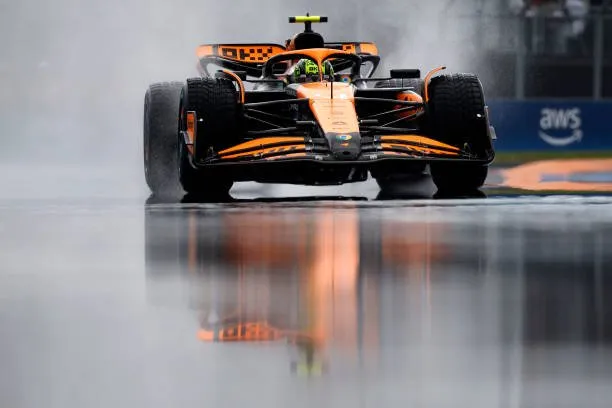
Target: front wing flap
281, 148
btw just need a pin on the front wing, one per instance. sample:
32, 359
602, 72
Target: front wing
290, 148
298, 160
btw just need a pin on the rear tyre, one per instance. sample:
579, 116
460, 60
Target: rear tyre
161, 107
457, 117
215, 102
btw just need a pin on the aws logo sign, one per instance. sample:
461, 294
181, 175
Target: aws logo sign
561, 127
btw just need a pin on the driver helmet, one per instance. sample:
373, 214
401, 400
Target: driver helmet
307, 70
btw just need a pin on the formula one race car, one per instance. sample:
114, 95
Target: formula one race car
310, 112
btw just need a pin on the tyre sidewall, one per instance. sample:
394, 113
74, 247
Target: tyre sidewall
159, 137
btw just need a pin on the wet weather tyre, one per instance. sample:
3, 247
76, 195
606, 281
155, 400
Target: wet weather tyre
392, 180
161, 112
215, 103
197, 182
458, 177
456, 116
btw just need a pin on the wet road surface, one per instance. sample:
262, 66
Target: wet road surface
351, 302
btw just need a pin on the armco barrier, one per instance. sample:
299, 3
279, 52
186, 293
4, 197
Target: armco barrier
561, 126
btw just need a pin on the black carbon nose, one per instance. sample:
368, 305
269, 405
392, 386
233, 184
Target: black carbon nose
345, 146
351, 154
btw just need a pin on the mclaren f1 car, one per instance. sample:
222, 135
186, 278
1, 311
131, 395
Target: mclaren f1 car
312, 112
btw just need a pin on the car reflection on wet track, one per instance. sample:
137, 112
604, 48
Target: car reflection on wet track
449, 297
321, 301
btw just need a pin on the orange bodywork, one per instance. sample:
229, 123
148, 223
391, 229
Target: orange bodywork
334, 111
331, 103
356, 48
428, 77
286, 150
239, 82
269, 145
417, 145
261, 143
409, 96
253, 53
287, 156
291, 147
368, 48
260, 53
420, 140
190, 130
411, 150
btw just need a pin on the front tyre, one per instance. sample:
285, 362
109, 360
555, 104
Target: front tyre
215, 103
391, 179
457, 178
457, 117
197, 182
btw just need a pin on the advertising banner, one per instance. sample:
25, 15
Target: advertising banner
552, 125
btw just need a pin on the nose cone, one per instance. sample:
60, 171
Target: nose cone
334, 108
345, 146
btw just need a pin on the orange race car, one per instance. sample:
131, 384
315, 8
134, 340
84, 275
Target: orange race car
310, 112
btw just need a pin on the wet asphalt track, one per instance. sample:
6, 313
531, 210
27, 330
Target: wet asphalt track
113, 302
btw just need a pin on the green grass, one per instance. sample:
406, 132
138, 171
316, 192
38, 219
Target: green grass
523, 157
